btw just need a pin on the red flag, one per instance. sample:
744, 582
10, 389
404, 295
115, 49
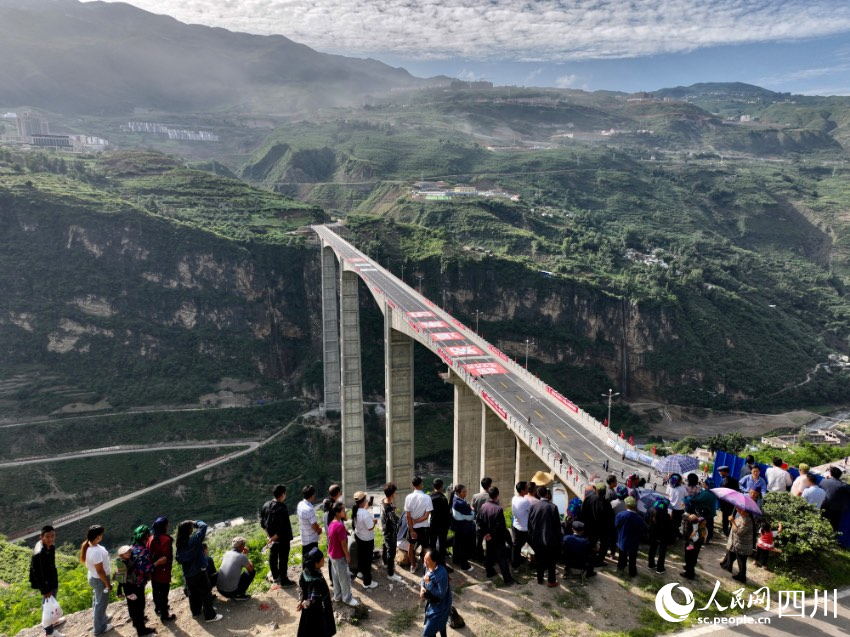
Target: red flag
653, 450
622, 435
631, 440
605, 422
571, 471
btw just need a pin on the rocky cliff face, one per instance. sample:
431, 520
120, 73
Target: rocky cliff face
133, 309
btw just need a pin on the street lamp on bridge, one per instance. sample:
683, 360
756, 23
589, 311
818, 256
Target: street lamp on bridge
610, 396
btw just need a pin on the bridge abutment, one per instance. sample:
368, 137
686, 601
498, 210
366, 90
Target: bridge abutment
330, 328
353, 429
498, 450
399, 404
467, 436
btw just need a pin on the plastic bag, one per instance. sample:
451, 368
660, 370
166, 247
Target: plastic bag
51, 612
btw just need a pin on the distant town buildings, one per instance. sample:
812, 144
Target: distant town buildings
441, 191
33, 131
180, 134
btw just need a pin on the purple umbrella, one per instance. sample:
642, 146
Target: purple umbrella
738, 499
677, 463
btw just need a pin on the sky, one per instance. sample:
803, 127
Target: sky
797, 46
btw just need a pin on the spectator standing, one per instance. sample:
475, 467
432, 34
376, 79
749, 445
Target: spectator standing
314, 599
389, 528
96, 559
437, 593
232, 580
676, 493
520, 508
161, 548
695, 536
596, 522
417, 510
279, 531
43, 575
334, 495
338, 552
544, 535
630, 529
837, 497
800, 481
134, 588
307, 521
778, 479
190, 555
726, 509
747, 469
740, 544
477, 500
491, 523
813, 494
660, 527
754, 481
440, 520
463, 520
705, 504
363, 523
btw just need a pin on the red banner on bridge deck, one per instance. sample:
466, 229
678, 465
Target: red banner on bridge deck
420, 314
495, 405
499, 353
483, 369
564, 401
464, 350
432, 324
447, 336
445, 356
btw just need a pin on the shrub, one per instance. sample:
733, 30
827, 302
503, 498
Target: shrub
804, 532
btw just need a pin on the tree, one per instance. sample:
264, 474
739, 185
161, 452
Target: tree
731, 443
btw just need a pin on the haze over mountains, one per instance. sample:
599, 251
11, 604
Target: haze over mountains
109, 58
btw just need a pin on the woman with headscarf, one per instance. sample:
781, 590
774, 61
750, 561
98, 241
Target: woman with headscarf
314, 599
739, 546
695, 536
463, 523
437, 592
137, 578
161, 548
660, 531
190, 555
96, 559
573, 514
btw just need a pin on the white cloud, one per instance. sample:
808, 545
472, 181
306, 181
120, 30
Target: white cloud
566, 81
551, 30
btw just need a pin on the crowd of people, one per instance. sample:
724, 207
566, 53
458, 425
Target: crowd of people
606, 521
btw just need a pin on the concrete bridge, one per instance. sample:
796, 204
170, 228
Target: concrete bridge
507, 423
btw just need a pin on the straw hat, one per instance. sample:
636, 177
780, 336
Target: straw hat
542, 479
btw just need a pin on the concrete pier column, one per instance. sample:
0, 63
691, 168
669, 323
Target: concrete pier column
398, 348
467, 438
498, 451
527, 462
353, 430
330, 329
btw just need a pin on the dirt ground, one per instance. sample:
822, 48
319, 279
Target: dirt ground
489, 609
678, 422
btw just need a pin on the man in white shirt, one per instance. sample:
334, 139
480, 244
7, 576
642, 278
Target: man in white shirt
417, 509
520, 507
778, 479
310, 529
800, 482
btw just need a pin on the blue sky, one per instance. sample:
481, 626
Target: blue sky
799, 46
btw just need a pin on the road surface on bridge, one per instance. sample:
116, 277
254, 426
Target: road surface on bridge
508, 388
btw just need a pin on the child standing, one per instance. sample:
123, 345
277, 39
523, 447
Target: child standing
765, 545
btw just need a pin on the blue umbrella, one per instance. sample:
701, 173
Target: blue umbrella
677, 463
647, 498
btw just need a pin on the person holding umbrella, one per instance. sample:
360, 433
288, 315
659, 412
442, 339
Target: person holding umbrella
739, 546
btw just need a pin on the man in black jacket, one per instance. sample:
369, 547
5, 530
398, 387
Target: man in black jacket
544, 535
43, 575
494, 531
279, 529
727, 482
598, 518
440, 520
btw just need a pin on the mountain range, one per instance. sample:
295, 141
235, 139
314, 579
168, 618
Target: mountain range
109, 58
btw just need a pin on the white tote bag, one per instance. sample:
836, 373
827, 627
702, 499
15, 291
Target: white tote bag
51, 612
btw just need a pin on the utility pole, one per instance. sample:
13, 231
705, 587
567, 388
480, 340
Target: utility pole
402, 271
527, 343
444, 300
477, 314
611, 396
420, 282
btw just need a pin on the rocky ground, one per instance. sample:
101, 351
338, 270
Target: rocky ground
608, 604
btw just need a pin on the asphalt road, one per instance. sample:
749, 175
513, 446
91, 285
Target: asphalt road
522, 398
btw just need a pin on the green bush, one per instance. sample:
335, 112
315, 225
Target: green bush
804, 532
